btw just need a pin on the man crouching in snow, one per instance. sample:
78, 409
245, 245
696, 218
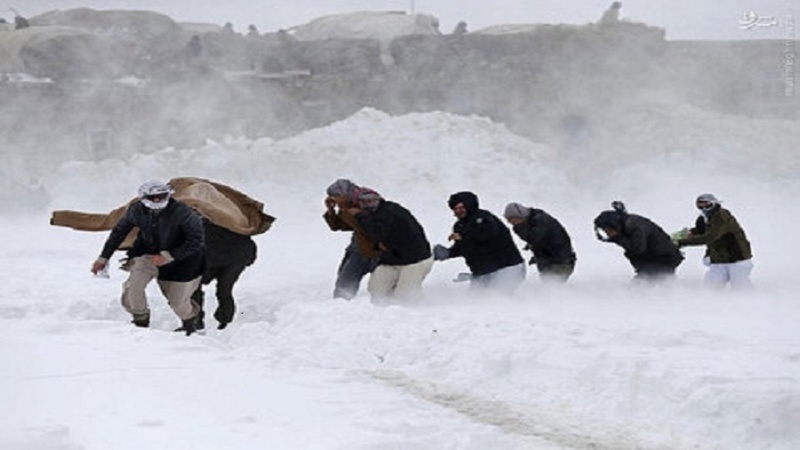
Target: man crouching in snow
361, 255
405, 259
485, 244
649, 249
728, 254
169, 247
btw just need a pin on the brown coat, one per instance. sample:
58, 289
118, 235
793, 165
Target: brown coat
220, 204
344, 221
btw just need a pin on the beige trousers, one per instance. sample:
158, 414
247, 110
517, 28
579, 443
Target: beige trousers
178, 293
400, 282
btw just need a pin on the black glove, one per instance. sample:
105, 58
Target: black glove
440, 252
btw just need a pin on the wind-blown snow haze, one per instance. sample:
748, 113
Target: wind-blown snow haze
596, 363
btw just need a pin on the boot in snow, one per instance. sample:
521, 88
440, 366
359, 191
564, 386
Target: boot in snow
141, 320
189, 326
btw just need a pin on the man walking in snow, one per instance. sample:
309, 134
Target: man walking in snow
649, 249
485, 244
169, 247
728, 254
360, 256
405, 254
228, 254
546, 238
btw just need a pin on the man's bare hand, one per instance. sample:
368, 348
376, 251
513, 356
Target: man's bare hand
158, 260
98, 266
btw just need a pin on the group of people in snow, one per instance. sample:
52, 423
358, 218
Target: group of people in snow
389, 243
183, 251
655, 255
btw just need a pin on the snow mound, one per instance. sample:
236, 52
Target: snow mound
436, 151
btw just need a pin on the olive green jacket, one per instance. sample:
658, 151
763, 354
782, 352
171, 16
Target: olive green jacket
722, 235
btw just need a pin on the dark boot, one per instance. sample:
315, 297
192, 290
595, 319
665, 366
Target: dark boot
190, 325
198, 299
141, 320
199, 323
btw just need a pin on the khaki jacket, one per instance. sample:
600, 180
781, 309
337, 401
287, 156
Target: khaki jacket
344, 221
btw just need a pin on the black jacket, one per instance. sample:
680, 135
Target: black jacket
547, 239
646, 245
398, 231
486, 243
226, 248
176, 229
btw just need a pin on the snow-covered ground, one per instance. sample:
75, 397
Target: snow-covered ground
593, 364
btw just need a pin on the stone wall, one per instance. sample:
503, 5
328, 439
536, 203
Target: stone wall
550, 84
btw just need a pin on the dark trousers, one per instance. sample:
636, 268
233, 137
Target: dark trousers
351, 270
226, 277
653, 274
556, 272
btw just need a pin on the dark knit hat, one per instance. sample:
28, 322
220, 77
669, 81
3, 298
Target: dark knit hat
468, 199
609, 219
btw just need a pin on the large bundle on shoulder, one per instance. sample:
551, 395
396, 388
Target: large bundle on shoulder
222, 205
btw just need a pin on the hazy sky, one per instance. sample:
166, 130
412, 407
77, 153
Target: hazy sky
683, 19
